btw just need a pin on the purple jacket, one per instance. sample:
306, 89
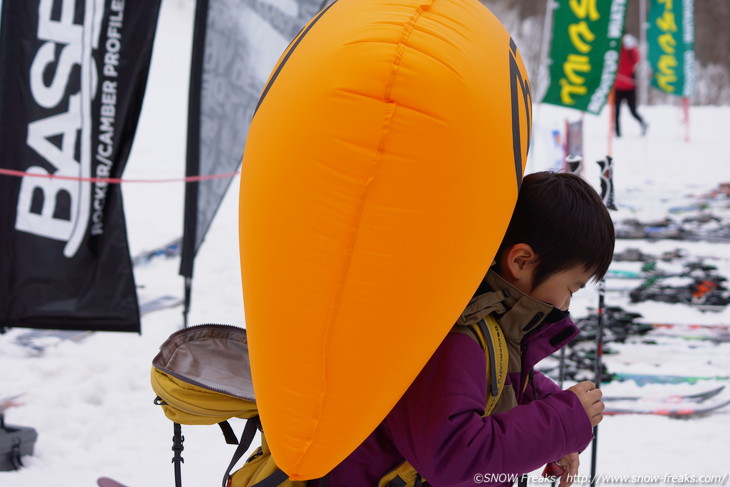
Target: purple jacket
438, 426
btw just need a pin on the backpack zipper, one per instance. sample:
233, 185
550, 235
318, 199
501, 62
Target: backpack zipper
194, 382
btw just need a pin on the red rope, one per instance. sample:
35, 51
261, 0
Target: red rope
187, 179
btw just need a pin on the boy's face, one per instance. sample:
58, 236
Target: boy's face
557, 289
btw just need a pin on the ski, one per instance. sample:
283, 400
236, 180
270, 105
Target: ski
675, 410
688, 326
710, 333
168, 250
623, 324
672, 398
9, 402
40, 340
624, 274
107, 482
642, 379
694, 229
161, 302
706, 293
654, 339
633, 254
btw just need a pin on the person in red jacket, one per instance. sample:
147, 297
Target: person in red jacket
625, 85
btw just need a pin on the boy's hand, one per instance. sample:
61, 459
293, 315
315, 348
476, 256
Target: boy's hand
590, 398
565, 469
570, 465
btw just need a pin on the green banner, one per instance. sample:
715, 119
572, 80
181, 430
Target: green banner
584, 52
671, 36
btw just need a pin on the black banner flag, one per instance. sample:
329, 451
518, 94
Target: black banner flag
236, 43
72, 79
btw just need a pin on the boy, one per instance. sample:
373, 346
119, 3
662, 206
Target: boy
560, 237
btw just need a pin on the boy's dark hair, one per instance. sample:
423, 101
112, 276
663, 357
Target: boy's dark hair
564, 221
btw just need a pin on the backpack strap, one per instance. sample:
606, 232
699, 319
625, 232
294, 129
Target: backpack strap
228, 433
489, 335
492, 340
273, 480
249, 431
404, 475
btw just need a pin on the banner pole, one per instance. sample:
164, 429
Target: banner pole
611, 122
187, 292
685, 109
544, 49
643, 47
541, 68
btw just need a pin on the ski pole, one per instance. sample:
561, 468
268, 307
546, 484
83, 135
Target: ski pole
598, 372
554, 470
607, 197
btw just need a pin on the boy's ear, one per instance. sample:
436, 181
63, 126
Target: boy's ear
518, 262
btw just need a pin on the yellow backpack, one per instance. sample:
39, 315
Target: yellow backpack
202, 376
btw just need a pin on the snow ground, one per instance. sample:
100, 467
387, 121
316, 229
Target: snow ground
91, 402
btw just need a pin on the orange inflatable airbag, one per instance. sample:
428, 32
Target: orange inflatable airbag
380, 172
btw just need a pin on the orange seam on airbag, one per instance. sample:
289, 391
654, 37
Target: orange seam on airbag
389, 110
